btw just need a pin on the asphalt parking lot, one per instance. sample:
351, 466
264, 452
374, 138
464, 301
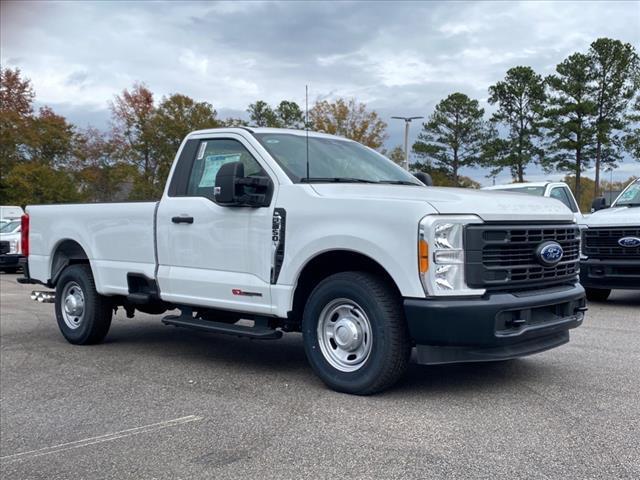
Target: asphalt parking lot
158, 402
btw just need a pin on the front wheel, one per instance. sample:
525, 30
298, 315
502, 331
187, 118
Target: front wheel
597, 294
83, 315
355, 334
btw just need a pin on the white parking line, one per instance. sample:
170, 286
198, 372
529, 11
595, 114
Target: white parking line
100, 439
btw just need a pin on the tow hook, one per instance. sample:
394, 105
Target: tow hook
43, 296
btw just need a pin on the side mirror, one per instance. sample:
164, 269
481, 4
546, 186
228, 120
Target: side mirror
233, 189
424, 178
598, 203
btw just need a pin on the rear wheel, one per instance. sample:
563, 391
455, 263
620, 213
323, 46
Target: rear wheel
597, 294
83, 315
355, 334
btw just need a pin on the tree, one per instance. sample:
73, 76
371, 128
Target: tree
262, 115
349, 119
174, 118
290, 115
49, 139
16, 108
442, 177
632, 131
396, 155
35, 182
520, 98
100, 176
132, 117
570, 118
452, 137
613, 68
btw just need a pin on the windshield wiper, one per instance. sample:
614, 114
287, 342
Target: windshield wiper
399, 182
633, 204
334, 180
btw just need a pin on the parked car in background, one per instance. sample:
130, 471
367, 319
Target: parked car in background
558, 190
8, 212
610, 257
10, 245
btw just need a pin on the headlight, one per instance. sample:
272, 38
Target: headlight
441, 254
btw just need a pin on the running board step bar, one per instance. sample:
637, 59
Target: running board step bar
257, 332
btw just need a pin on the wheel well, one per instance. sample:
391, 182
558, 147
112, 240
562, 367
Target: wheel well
68, 252
326, 264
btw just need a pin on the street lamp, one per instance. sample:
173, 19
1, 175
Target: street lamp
407, 121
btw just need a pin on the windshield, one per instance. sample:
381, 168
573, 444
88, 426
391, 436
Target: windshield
630, 197
332, 160
537, 191
9, 227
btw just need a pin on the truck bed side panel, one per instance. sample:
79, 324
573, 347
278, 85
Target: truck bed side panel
117, 237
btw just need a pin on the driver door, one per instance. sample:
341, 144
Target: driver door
213, 255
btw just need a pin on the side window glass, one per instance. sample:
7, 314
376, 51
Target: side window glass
559, 194
210, 156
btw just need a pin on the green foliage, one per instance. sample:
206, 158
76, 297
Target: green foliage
37, 183
614, 70
631, 138
520, 98
442, 177
286, 115
571, 129
453, 135
396, 155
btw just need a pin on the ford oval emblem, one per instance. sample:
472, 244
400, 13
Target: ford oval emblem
629, 242
549, 253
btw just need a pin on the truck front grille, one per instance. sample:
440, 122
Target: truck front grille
603, 243
4, 247
503, 257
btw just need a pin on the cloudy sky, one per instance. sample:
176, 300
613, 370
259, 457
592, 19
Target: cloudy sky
401, 57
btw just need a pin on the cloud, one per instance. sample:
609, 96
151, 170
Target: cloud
400, 57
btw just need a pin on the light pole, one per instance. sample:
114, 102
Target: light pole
407, 121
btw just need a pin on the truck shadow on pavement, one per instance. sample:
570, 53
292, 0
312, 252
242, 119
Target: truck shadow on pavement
209, 354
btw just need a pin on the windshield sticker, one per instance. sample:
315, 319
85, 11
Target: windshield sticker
212, 164
203, 147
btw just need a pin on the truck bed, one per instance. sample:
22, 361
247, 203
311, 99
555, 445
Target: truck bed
117, 238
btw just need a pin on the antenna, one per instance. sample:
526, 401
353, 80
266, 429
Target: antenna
306, 123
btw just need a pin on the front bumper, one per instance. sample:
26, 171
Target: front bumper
605, 274
10, 260
497, 326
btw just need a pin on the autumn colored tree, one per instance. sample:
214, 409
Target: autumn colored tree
570, 119
16, 109
132, 115
49, 139
614, 68
350, 119
453, 136
520, 98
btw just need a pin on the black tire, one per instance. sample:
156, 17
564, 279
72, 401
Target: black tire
598, 294
93, 325
390, 343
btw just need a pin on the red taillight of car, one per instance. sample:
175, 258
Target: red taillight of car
24, 237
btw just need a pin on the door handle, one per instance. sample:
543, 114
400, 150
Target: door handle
182, 219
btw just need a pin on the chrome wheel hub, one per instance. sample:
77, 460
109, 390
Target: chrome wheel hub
73, 305
344, 335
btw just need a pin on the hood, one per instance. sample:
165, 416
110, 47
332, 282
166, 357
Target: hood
616, 216
488, 205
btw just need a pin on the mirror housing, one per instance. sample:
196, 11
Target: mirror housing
599, 203
233, 189
424, 178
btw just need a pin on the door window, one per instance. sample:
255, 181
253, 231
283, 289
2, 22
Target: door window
559, 193
210, 156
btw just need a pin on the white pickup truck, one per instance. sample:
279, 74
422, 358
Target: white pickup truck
611, 245
261, 231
